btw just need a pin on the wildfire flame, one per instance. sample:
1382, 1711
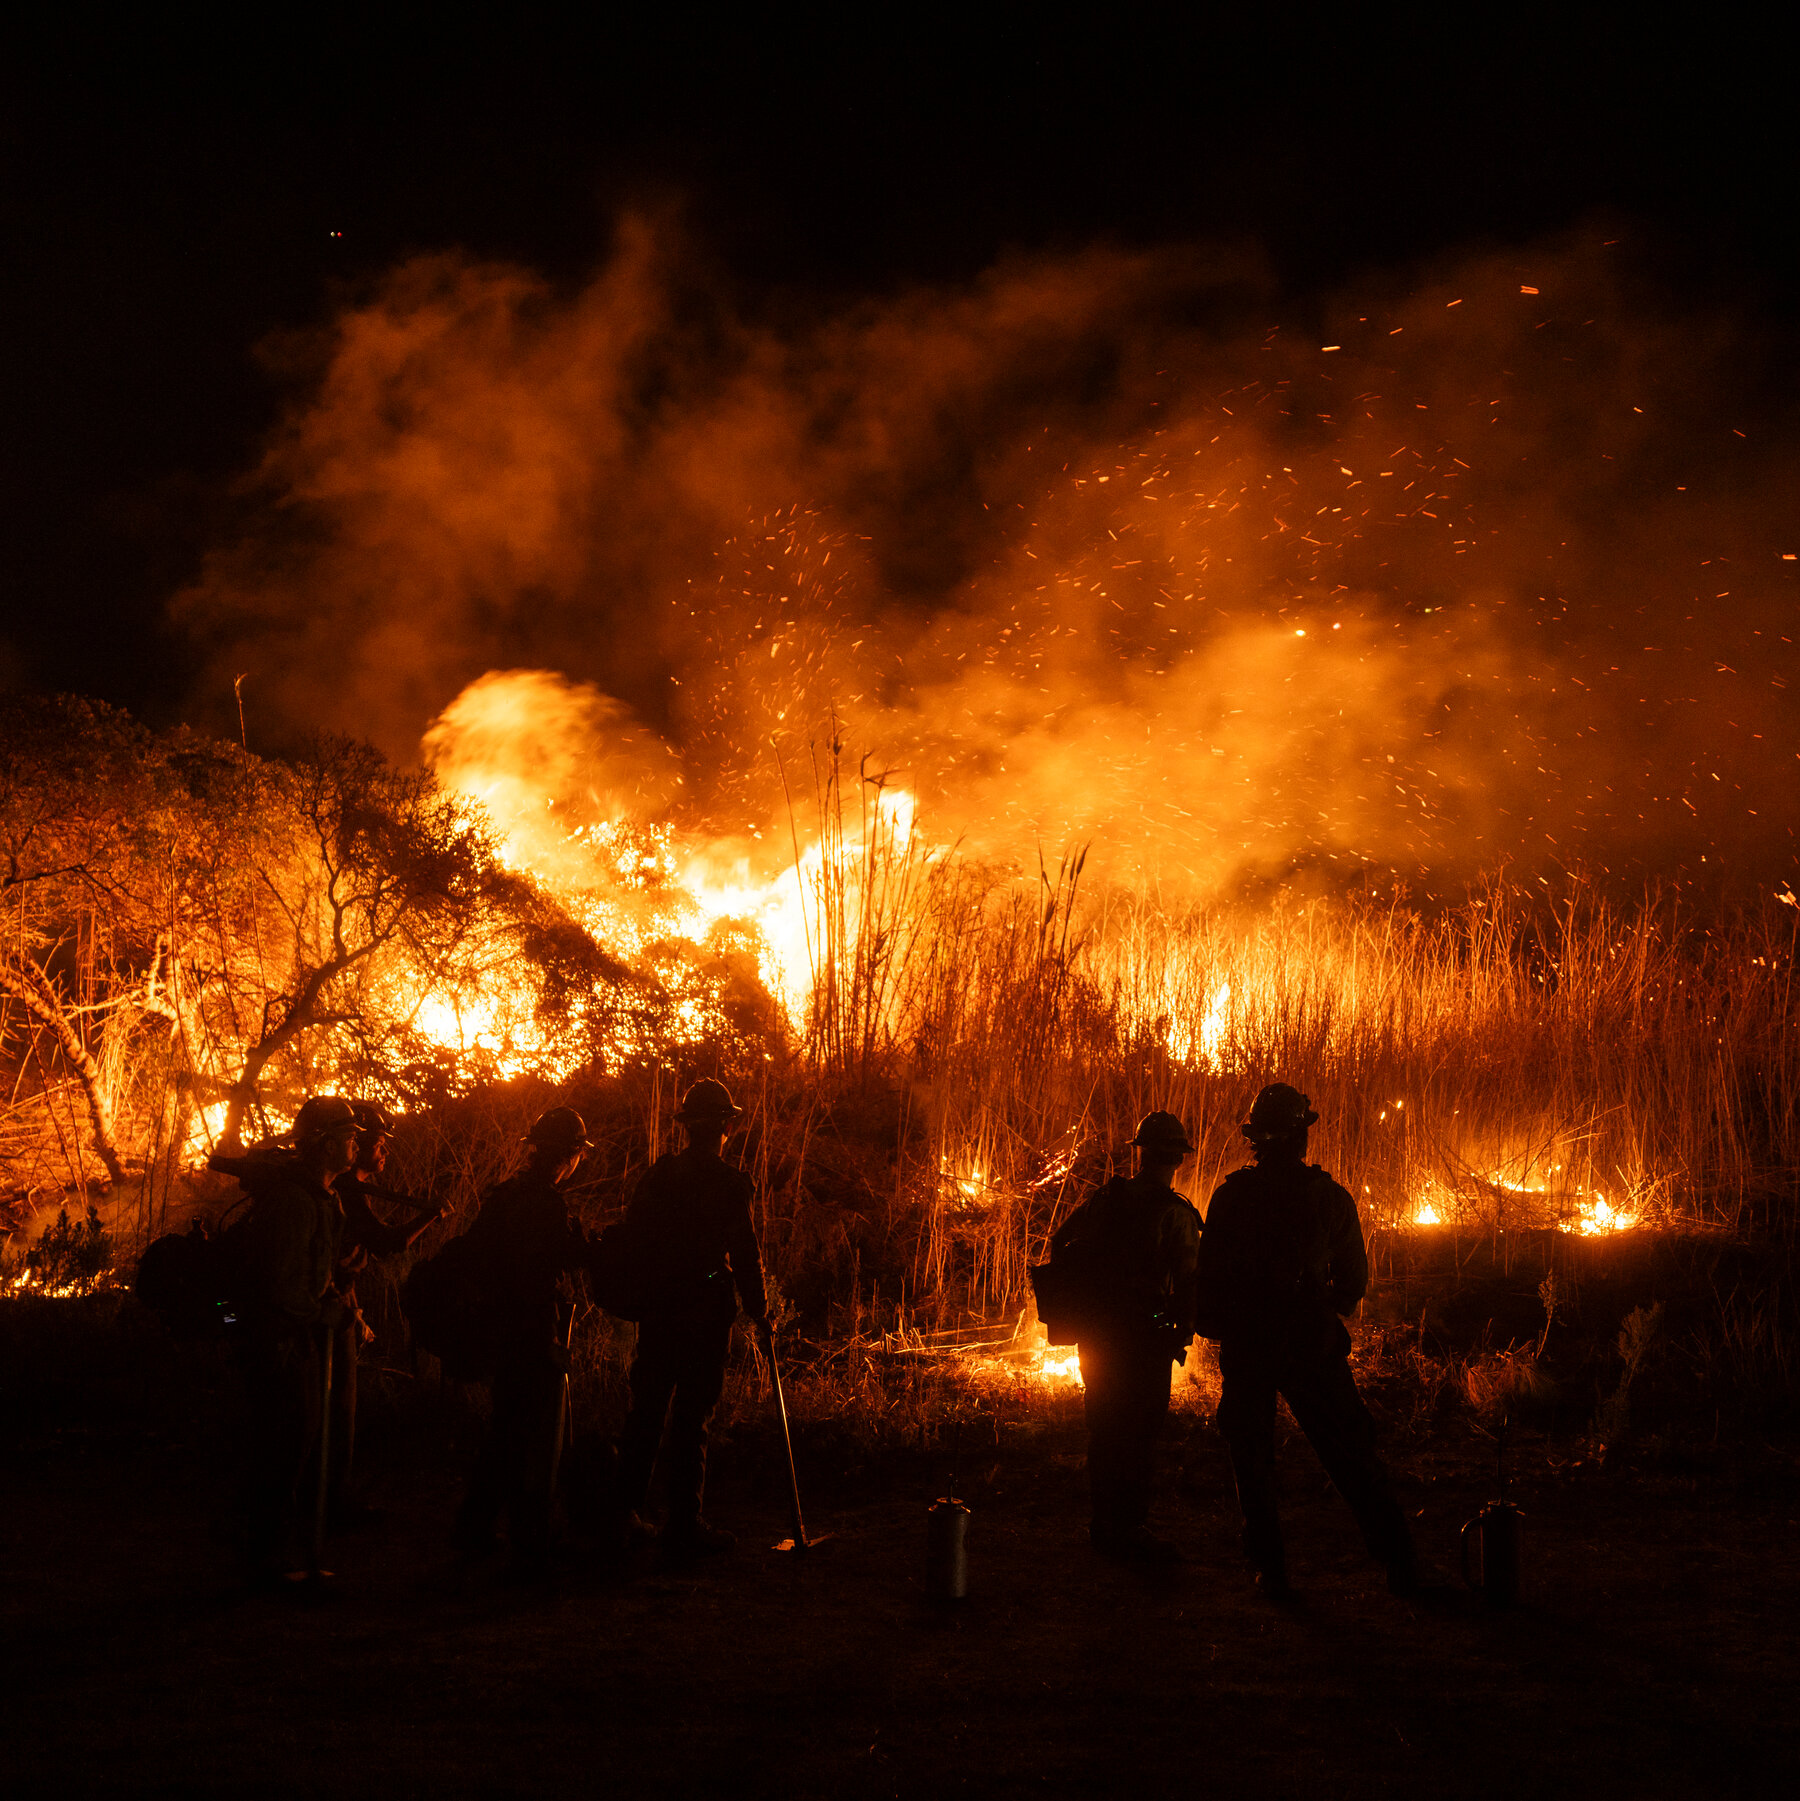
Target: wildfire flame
968, 1182
1583, 1211
579, 818
1203, 1044
203, 1132
1599, 1215
1213, 1026
580, 800
25, 1282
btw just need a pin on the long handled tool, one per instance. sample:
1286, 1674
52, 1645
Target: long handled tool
799, 1542
562, 1407
315, 1561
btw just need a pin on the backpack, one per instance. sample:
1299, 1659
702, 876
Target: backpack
1096, 1282
193, 1279
642, 1266
1069, 1288
1266, 1288
617, 1277
450, 1312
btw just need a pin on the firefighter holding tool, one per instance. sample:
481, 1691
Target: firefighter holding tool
695, 1256
362, 1234
287, 1249
523, 1241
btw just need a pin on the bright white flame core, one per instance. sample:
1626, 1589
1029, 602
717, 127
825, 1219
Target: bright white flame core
1203, 1044
203, 1131
1600, 1215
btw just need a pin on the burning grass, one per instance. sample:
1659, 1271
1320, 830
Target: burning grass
937, 1054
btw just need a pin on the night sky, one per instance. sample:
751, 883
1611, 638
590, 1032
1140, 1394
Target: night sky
174, 204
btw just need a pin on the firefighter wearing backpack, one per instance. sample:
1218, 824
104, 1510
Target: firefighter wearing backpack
693, 1244
523, 1241
284, 1255
1282, 1259
1135, 1238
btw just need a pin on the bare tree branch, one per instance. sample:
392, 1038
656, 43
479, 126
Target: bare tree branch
39, 999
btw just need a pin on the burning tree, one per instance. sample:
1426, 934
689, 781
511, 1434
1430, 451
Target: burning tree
79, 802
199, 937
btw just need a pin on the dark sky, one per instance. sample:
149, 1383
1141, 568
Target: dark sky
171, 202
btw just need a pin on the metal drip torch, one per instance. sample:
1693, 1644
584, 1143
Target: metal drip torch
946, 1538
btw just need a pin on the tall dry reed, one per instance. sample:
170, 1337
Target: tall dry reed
1512, 1062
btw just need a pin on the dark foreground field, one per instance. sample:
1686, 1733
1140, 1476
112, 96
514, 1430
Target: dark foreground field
1657, 1654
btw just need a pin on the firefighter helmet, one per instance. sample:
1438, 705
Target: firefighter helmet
561, 1132
707, 1103
1162, 1132
322, 1116
373, 1120
1278, 1112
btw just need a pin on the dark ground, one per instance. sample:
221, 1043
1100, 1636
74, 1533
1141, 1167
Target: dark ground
1656, 1655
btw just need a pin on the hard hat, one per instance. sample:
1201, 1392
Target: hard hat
1278, 1112
707, 1103
1162, 1132
562, 1131
373, 1120
322, 1115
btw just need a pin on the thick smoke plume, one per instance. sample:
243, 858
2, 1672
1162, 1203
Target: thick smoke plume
1491, 563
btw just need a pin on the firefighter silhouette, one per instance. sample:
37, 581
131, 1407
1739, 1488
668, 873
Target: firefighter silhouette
1281, 1260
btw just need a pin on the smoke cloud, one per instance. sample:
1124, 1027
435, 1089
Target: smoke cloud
1491, 563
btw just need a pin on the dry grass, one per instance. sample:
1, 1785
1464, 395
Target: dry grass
1539, 1055
978, 1046
1508, 1064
